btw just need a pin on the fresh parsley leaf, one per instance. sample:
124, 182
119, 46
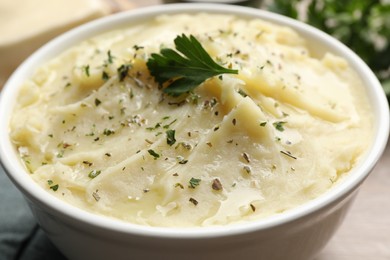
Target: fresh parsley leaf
186, 72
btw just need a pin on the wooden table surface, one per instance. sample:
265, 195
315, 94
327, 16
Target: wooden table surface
365, 232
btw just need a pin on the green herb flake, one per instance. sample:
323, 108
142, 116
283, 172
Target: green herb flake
94, 173
242, 93
168, 125
137, 47
97, 102
110, 58
54, 187
108, 132
123, 70
170, 137
263, 123
86, 70
105, 76
193, 201
154, 154
184, 73
179, 185
193, 183
88, 163
247, 169
279, 125
156, 126
60, 154
246, 157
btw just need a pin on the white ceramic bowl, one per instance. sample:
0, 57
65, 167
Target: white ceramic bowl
298, 234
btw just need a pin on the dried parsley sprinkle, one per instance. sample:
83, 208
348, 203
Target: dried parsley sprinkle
181, 160
247, 169
170, 137
94, 173
246, 157
110, 58
122, 71
105, 76
108, 132
263, 123
148, 141
156, 126
87, 163
252, 207
97, 102
242, 93
193, 201
193, 183
60, 154
279, 125
168, 125
54, 187
179, 185
154, 154
234, 121
86, 70
136, 47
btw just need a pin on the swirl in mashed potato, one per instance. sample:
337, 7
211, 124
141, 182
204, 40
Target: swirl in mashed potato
95, 130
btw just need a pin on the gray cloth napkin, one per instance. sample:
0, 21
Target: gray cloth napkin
20, 236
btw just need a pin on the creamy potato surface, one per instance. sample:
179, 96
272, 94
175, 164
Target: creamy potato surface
94, 128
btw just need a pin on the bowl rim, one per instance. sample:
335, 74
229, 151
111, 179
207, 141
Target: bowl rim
59, 208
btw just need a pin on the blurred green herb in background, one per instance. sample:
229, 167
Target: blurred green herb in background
362, 25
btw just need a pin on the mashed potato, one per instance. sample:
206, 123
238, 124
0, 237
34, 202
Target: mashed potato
95, 130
